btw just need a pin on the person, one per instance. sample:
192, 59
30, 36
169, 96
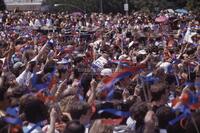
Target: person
74, 127
35, 112
74, 73
159, 94
99, 127
138, 112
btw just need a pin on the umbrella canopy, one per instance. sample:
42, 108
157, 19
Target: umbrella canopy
181, 11
170, 10
161, 19
76, 14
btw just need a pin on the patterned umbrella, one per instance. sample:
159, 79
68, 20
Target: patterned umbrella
161, 19
181, 11
76, 14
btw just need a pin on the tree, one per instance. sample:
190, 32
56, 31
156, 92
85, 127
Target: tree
2, 5
193, 5
117, 5
91, 5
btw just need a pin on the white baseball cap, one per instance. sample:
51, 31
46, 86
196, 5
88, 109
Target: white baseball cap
106, 72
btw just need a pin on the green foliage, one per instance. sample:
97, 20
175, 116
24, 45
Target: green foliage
118, 5
2, 5
193, 5
91, 5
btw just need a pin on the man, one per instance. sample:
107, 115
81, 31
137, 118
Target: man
159, 95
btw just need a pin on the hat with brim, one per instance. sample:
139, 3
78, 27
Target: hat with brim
63, 61
123, 57
106, 72
80, 55
142, 52
18, 65
130, 44
165, 66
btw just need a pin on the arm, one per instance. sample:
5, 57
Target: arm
61, 89
22, 79
182, 51
92, 90
118, 67
150, 122
53, 116
25, 76
42, 50
146, 59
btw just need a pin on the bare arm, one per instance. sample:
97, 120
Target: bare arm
150, 122
92, 96
51, 129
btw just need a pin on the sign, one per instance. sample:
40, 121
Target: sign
100, 62
23, 4
125, 7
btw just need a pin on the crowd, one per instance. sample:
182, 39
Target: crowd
99, 73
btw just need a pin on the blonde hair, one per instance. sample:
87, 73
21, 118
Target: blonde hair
99, 127
66, 102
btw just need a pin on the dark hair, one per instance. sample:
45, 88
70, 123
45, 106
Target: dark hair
157, 90
74, 127
18, 71
32, 65
191, 77
164, 114
77, 109
2, 93
191, 51
77, 74
170, 79
35, 110
138, 112
117, 94
3, 125
140, 58
17, 91
85, 83
77, 60
14, 93
61, 71
3, 87
23, 101
49, 67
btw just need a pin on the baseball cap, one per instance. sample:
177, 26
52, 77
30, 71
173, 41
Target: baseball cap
106, 72
18, 65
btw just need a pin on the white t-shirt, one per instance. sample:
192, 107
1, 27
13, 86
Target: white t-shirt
37, 23
188, 35
48, 22
37, 129
24, 78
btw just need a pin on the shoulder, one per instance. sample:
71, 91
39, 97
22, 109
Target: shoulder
30, 126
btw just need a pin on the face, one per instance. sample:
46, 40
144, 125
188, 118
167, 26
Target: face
164, 97
85, 119
12, 78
